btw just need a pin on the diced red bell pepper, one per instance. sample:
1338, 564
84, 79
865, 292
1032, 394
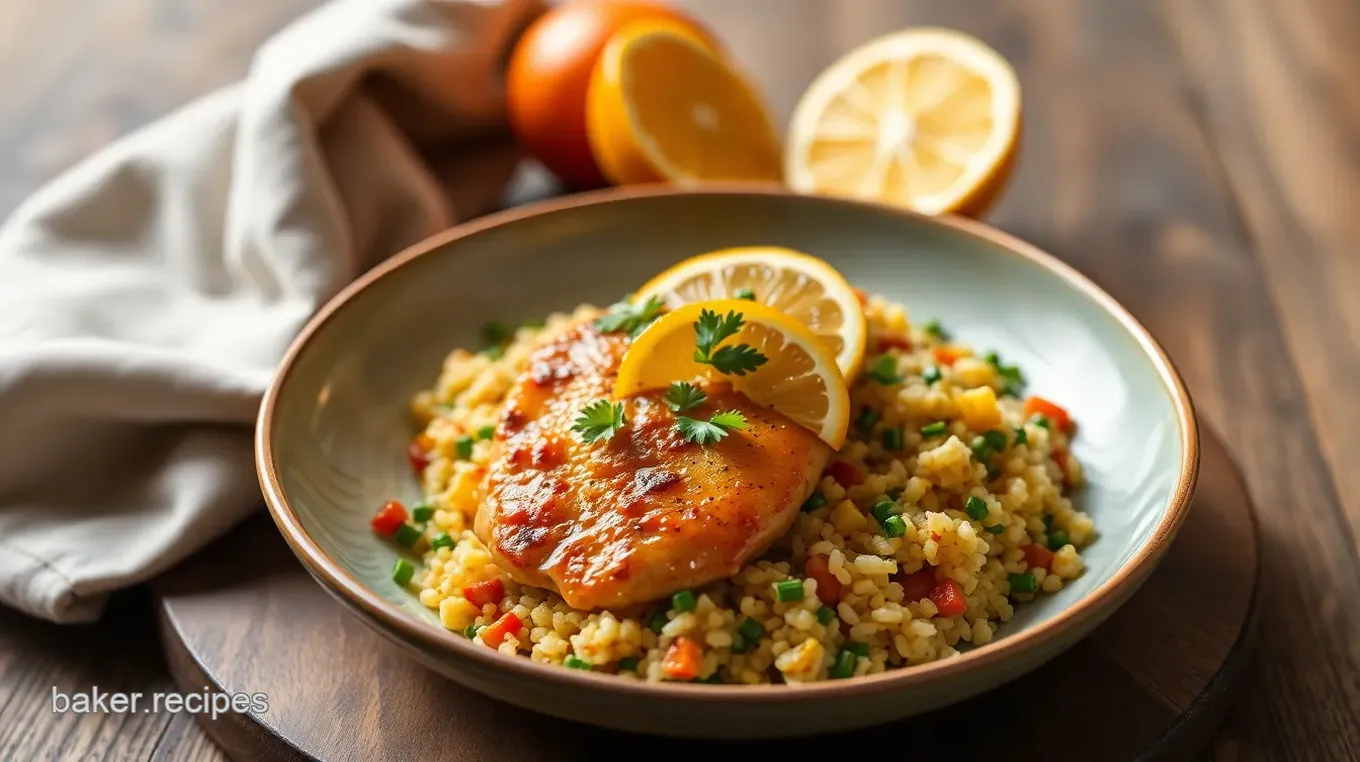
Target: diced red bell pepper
946, 355
682, 659
1053, 412
389, 518
496, 632
1037, 555
487, 591
894, 341
918, 585
845, 474
948, 598
1060, 457
828, 587
418, 452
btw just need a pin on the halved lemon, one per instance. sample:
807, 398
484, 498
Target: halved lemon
663, 105
797, 284
800, 378
924, 118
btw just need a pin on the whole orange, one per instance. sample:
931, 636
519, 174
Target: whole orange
549, 75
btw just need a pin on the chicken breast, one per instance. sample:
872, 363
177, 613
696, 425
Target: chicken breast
637, 517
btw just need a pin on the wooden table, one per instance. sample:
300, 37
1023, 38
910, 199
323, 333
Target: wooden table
1198, 158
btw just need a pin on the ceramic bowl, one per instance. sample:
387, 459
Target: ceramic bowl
333, 428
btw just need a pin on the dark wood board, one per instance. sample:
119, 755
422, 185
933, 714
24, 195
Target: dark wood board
1152, 683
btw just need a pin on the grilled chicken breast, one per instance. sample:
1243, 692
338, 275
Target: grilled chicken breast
637, 517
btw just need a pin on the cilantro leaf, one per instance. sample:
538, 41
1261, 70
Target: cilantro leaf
710, 330
712, 430
629, 318
884, 371
737, 360
599, 420
729, 419
683, 396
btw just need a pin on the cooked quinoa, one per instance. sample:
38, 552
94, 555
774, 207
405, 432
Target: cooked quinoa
981, 516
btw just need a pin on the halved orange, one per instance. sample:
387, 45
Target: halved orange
925, 118
800, 378
663, 105
797, 284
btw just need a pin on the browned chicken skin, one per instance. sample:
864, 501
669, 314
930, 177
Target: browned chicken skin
635, 518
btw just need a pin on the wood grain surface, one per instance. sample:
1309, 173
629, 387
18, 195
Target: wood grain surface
1198, 158
1150, 684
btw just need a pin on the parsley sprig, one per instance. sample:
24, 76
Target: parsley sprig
710, 330
712, 430
629, 318
599, 420
683, 396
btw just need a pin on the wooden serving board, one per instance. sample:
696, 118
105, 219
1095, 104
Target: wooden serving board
1152, 683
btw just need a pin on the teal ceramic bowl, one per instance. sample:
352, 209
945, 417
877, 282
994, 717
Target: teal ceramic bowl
333, 428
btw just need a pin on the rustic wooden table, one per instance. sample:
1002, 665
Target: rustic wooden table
1198, 158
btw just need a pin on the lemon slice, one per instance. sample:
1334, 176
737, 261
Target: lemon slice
663, 104
924, 118
800, 378
797, 284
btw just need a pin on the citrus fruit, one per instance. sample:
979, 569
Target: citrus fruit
663, 105
800, 377
926, 119
549, 72
797, 284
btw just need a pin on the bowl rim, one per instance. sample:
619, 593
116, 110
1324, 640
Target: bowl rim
1100, 601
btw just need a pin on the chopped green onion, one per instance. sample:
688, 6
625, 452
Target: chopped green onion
996, 439
825, 615
981, 449
751, 630
1048, 522
494, 353
857, 648
994, 529
788, 590
1012, 389
684, 601
1040, 420
1056, 539
403, 572
884, 371
934, 429
715, 679
867, 420
657, 622
471, 630
575, 662
993, 358
1020, 436
815, 500
894, 493
441, 540
745, 293
892, 438
532, 324
895, 526
464, 445
1023, 583
931, 375
740, 644
407, 535
486, 432
421, 512
844, 666
976, 508
935, 329
628, 663
883, 509
497, 333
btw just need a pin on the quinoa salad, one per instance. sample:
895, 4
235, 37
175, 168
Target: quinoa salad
947, 505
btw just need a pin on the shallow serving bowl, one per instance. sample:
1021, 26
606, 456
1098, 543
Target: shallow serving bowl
333, 429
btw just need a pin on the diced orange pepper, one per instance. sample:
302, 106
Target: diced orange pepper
418, 453
946, 355
845, 474
828, 587
1037, 556
894, 341
862, 296
682, 659
948, 598
487, 591
496, 632
1053, 412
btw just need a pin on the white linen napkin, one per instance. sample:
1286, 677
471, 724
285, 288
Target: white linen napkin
147, 294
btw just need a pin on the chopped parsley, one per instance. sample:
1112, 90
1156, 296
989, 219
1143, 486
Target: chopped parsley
710, 330
683, 396
746, 293
599, 420
629, 318
884, 371
712, 430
